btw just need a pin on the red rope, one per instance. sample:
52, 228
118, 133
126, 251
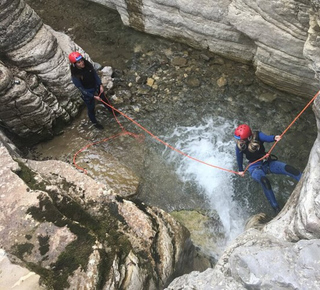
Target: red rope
166, 144
91, 144
124, 132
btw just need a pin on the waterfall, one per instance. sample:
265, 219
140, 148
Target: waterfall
211, 142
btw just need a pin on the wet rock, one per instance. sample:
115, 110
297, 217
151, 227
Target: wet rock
179, 61
267, 97
124, 94
116, 99
13, 275
222, 81
204, 229
143, 90
67, 225
218, 60
141, 79
246, 81
193, 82
136, 109
204, 57
150, 82
257, 221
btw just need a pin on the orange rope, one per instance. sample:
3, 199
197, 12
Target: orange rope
89, 145
166, 144
124, 132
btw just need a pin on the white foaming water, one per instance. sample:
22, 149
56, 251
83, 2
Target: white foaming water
212, 143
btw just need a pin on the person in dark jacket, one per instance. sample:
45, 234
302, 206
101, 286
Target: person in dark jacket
86, 79
251, 145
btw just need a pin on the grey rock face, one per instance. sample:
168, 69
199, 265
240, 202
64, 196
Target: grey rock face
27, 107
22, 278
301, 219
72, 230
279, 31
36, 91
259, 261
273, 35
278, 37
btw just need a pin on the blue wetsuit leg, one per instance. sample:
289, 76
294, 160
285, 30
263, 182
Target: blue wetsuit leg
258, 172
279, 167
90, 103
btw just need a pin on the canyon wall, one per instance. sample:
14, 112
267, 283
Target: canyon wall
273, 35
281, 39
37, 96
278, 37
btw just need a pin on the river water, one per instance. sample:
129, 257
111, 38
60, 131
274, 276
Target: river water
193, 102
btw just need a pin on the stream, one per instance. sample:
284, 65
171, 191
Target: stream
190, 99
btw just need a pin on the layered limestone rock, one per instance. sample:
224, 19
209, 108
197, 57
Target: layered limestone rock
75, 233
279, 31
72, 231
312, 46
27, 109
270, 34
300, 219
273, 35
259, 261
15, 276
36, 92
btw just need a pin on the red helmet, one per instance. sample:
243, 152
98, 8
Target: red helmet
242, 132
75, 56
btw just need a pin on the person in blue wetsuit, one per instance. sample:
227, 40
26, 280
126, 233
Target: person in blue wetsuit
251, 145
86, 79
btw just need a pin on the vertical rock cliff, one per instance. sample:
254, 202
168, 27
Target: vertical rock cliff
36, 93
272, 35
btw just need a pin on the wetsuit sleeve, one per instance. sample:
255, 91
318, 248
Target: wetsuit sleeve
98, 80
84, 92
266, 138
239, 155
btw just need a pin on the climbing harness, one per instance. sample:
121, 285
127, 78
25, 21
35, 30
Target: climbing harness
140, 137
